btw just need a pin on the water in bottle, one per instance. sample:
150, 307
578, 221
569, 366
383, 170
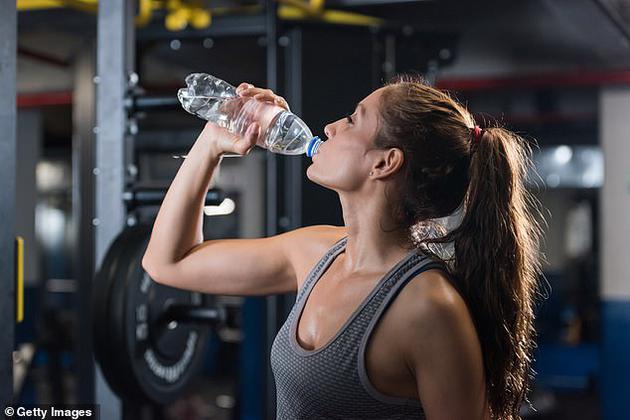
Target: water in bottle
216, 101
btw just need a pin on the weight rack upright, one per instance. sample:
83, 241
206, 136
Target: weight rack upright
100, 168
8, 118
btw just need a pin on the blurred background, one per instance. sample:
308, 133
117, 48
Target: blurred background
556, 72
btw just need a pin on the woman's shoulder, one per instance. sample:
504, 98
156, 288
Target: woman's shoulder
428, 297
318, 237
440, 344
307, 245
322, 230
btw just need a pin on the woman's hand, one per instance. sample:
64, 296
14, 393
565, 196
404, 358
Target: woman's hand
265, 95
222, 141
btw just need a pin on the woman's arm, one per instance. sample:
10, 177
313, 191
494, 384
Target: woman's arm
178, 226
177, 255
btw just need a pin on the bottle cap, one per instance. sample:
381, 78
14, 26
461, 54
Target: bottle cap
313, 146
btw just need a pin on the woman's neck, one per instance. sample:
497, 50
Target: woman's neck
372, 244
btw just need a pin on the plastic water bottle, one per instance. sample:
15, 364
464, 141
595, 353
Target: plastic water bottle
216, 101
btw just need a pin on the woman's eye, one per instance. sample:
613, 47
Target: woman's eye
349, 118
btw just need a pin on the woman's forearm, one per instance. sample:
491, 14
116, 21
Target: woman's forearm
178, 226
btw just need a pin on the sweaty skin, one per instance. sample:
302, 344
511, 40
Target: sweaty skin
425, 346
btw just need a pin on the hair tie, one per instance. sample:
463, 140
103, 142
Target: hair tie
477, 133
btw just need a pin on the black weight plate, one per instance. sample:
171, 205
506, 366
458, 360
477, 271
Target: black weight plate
120, 377
101, 298
155, 365
160, 377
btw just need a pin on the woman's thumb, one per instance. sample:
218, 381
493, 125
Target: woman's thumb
250, 138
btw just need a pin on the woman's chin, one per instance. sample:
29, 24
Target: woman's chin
309, 173
312, 175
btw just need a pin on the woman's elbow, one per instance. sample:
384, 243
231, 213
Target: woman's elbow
153, 270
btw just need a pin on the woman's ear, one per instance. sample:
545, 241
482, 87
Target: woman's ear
389, 163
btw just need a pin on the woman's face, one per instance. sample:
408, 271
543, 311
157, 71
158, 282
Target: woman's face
345, 159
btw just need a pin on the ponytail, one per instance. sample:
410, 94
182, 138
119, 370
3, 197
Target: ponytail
452, 167
496, 263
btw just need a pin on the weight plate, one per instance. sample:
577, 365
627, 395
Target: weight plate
101, 294
144, 358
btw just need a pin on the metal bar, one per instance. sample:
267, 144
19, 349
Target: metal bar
154, 103
8, 56
222, 26
294, 169
155, 196
114, 38
190, 314
271, 205
83, 121
116, 47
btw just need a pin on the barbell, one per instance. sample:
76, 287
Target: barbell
149, 339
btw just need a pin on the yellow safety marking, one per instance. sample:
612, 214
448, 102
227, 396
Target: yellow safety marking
19, 279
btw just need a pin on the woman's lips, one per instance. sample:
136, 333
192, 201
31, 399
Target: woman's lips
319, 150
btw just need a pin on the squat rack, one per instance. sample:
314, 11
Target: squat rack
105, 164
8, 117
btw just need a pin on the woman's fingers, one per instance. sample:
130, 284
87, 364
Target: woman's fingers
269, 96
243, 86
246, 143
265, 95
227, 142
280, 101
251, 136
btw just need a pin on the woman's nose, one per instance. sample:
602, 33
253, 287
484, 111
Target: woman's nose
328, 130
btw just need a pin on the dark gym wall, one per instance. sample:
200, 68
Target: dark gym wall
337, 73
235, 60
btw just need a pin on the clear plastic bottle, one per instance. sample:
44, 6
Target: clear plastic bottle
216, 101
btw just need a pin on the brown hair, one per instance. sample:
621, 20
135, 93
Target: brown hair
494, 256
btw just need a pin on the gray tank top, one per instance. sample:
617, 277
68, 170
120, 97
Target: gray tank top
331, 381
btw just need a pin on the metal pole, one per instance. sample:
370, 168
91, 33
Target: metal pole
83, 122
293, 165
294, 169
114, 65
271, 205
8, 54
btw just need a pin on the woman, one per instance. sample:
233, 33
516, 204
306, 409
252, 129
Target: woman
394, 328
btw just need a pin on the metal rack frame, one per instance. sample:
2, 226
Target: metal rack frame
8, 118
101, 169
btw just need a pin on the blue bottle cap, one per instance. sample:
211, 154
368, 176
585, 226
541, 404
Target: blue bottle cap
313, 146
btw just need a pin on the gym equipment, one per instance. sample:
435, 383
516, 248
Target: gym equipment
138, 197
149, 339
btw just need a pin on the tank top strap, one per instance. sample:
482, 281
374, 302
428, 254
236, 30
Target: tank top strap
321, 266
389, 290
373, 314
